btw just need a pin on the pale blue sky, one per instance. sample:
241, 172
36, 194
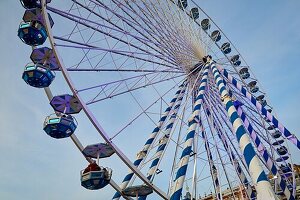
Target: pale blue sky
33, 166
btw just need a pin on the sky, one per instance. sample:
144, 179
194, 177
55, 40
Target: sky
33, 166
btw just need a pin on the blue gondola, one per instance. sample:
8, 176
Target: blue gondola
60, 126
261, 100
282, 150
216, 36
205, 24
182, 4
253, 87
244, 72
195, 13
226, 48
38, 76
32, 33
236, 60
36, 15
95, 177
276, 134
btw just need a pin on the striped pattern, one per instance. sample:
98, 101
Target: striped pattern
263, 187
187, 149
163, 142
291, 137
232, 158
264, 153
142, 154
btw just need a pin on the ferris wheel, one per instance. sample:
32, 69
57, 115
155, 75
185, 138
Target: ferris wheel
177, 112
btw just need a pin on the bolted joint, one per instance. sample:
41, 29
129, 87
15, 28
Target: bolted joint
207, 59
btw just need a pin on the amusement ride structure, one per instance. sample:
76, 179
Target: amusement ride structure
162, 66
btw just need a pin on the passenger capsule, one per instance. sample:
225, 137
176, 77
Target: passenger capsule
276, 134
95, 177
244, 72
236, 60
100, 150
195, 13
226, 48
38, 76
138, 190
282, 150
44, 56
66, 103
253, 87
205, 24
32, 33
182, 4
216, 36
261, 100
36, 15
60, 126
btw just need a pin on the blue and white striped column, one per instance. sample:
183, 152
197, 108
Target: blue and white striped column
263, 152
163, 142
142, 154
234, 162
164, 139
187, 149
259, 178
291, 137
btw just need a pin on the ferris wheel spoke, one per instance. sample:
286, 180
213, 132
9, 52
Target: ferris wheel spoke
163, 25
170, 22
157, 25
143, 30
113, 92
143, 40
85, 69
145, 110
158, 28
82, 22
120, 52
213, 169
129, 55
90, 37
